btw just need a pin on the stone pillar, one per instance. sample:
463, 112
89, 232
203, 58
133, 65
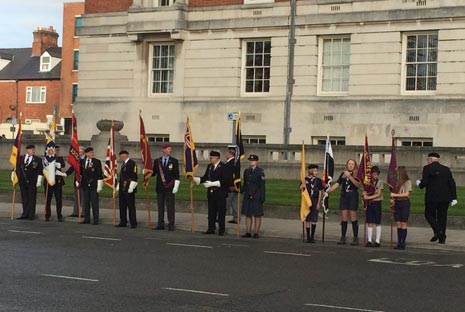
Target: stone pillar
100, 141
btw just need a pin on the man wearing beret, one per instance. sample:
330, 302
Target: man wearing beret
440, 192
166, 169
127, 188
217, 180
56, 189
29, 170
91, 185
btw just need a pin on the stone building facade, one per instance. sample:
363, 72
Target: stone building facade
361, 66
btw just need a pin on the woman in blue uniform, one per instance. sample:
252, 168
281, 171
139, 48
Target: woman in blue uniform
348, 202
402, 205
254, 196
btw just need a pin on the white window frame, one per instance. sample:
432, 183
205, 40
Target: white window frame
42, 94
261, 139
320, 91
170, 3
151, 70
47, 65
257, 1
243, 70
404, 90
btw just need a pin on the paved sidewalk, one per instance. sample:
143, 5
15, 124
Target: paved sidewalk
417, 236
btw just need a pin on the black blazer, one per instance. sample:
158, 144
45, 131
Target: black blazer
127, 174
170, 173
222, 173
92, 174
27, 174
439, 183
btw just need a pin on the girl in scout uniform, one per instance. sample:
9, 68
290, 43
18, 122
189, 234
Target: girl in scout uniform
402, 205
348, 202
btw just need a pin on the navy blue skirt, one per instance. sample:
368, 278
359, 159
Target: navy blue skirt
348, 201
374, 212
402, 210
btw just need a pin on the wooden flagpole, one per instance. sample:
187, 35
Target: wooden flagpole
238, 227
46, 198
323, 229
147, 205
79, 202
114, 203
192, 206
364, 222
13, 204
303, 231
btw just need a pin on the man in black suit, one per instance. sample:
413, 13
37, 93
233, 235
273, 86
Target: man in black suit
127, 188
234, 168
166, 169
217, 180
30, 177
56, 189
91, 184
440, 192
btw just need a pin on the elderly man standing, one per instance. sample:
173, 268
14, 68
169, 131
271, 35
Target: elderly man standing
440, 192
217, 180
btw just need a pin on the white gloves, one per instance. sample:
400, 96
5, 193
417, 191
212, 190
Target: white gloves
196, 180
117, 187
176, 186
132, 186
453, 202
99, 185
12, 176
40, 180
57, 165
143, 172
209, 184
418, 182
61, 174
76, 183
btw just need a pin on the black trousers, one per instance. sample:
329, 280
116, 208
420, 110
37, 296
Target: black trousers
436, 215
127, 201
56, 190
216, 207
168, 198
28, 199
90, 197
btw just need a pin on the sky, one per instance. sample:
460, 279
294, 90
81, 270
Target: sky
19, 18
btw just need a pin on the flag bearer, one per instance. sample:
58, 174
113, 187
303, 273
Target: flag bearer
314, 188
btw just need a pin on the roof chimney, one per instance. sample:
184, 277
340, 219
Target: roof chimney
44, 38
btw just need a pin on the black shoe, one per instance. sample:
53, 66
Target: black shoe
73, 215
159, 227
133, 226
95, 223
30, 218
232, 221
21, 218
342, 241
442, 238
47, 219
255, 235
246, 235
434, 238
120, 225
400, 247
375, 244
171, 228
209, 232
84, 222
60, 219
221, 233
369, 244
354, 242
310, 240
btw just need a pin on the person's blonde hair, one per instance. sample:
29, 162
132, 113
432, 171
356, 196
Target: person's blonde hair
355, 167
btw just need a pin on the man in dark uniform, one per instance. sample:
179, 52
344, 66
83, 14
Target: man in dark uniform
127, 188
29, 170
217, 180
77, 190
166, 169
91, 184
56, 189
234, 167
440, 192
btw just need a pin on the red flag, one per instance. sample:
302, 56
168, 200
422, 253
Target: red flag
364, 170
110, 161
73, 155
145, 154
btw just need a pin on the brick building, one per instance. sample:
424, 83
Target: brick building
360, 66
30, 78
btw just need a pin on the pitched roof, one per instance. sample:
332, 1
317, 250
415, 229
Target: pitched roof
23, 66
